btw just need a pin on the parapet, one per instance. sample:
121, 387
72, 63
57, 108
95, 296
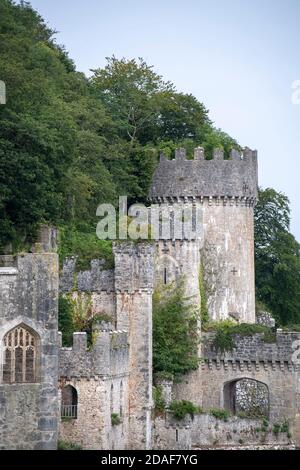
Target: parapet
95, 279
107, 357
256, 349
219, 177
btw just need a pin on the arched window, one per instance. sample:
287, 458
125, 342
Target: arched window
20, 349
69, 402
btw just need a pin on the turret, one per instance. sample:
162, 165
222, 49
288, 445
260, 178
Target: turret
223, 193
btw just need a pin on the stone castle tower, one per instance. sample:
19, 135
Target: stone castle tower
222, 193
98, 394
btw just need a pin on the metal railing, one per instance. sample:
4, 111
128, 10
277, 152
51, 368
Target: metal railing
69, 411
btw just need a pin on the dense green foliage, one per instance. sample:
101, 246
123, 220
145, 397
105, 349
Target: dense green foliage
184, 407
226, 330
86, 247
277, 257
175, 331
65, 320
220, 414
115, 419
158, 399
69, 143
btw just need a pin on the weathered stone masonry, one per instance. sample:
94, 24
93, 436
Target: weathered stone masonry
125, 295
100, 378
104, 393
224, 191
28, 298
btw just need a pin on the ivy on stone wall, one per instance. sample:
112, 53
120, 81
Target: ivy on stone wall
203, 297
65, 320
175, 331
226, 330
85, 246
76, 314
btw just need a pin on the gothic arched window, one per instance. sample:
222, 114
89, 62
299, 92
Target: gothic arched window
20, 355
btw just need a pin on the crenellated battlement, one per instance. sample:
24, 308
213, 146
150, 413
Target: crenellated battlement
218, 177
107, 357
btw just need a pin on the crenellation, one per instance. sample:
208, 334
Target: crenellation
200, 177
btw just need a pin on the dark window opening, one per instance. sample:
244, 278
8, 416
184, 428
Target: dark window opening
69, 402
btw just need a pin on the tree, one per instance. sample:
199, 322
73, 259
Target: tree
175, 332
277, 257
128, 89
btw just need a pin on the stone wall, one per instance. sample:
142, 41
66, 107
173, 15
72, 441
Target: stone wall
100, 378
124, 294
272, 364
29, 297
228, 259
204, 431
179, 259
95, 286
224, 192
134, 278
199, 177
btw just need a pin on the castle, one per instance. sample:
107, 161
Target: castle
101, 397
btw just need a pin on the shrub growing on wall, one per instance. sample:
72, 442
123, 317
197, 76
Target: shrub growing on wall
175, 331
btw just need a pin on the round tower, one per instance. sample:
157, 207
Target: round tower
222, 194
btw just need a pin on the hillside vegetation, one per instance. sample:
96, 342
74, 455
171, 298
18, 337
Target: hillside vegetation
69, 143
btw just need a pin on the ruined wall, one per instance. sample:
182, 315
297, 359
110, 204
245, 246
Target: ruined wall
100, 377
125, 294
134, 277
179, 259
28, 297
94, 287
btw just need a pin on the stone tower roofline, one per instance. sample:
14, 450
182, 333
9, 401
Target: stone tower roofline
182, 178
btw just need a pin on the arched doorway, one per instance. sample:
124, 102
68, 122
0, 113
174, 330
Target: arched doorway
247, 397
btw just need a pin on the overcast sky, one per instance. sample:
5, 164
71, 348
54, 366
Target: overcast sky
239, 57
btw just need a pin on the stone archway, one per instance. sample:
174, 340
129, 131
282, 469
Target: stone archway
248, 397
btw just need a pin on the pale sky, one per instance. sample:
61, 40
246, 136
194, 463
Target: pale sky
239, 57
